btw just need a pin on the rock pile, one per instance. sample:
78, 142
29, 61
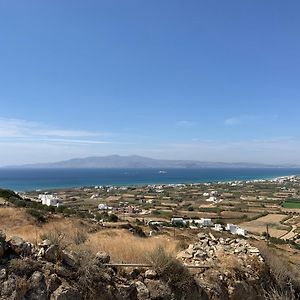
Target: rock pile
228, 262
209, 249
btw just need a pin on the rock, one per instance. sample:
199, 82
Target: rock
2, 249
102, 257
200, 254
190, 250
16, 244
8, 289
69, 259
27, 249
150, 274
65, 293
184, 255
51, 254
212, 237
253, 250
53, 282
201, 235
142, 291
41, 252
37, 287
63, 272
3, 274
2, 236
158, 290
45, 243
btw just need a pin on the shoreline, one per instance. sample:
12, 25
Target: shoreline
135, 185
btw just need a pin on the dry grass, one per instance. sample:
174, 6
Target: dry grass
276, 229
122, 246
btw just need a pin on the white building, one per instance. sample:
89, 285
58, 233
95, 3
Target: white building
102, 206
50, 200
177, 221
218, 227
232, 228
241, 231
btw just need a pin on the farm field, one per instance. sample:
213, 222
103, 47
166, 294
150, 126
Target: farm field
276, 229
291, 204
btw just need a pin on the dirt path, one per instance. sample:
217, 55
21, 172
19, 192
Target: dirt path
290, 234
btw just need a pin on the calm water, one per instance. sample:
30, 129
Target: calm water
32, 179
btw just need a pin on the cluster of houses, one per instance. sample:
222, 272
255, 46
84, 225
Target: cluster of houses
204, 223
123, 208
50, 200
212, 197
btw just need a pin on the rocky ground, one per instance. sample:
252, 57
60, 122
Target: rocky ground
230, 269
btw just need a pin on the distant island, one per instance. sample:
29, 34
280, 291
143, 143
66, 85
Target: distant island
136, 161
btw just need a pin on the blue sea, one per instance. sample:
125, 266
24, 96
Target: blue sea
44, 179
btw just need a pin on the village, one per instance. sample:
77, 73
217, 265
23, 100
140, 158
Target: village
257, 208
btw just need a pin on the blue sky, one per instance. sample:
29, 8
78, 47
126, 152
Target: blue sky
206, 80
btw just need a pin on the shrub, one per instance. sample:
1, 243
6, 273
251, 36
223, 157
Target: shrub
176, 275
23, 267
38, 215
80, 237
56, 237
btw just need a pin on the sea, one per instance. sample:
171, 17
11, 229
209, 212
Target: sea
46, 179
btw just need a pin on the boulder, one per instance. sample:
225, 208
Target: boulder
53, 282
16, 244
158, 290
65, 292
69, 259
2, 249
51, 254
102, 258
150, 274
37, 287
2, 236
142, 291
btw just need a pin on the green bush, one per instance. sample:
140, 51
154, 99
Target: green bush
38, 215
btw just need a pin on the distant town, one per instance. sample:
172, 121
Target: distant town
256, 208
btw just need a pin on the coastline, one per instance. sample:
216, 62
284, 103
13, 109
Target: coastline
30, 180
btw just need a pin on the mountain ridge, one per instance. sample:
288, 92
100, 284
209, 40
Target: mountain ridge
136, 161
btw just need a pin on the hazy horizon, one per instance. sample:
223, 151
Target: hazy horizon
208, 81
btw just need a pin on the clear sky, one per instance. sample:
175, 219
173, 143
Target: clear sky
206, 80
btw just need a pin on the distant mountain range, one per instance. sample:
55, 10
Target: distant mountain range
135, 161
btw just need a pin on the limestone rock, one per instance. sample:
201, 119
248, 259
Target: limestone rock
158, 290
51, 254
16, 244
150, 274
65, 293
142, 291
102, 257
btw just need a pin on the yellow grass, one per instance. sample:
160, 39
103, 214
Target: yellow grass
276, 229
119, 243
124, 247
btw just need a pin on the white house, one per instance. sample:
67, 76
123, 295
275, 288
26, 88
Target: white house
177, 221
50, 200
241, 231
232, 228
102, 206
206, 222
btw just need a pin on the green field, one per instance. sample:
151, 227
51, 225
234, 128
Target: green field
291, 204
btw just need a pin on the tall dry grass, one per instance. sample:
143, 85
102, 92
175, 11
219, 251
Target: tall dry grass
121, 245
